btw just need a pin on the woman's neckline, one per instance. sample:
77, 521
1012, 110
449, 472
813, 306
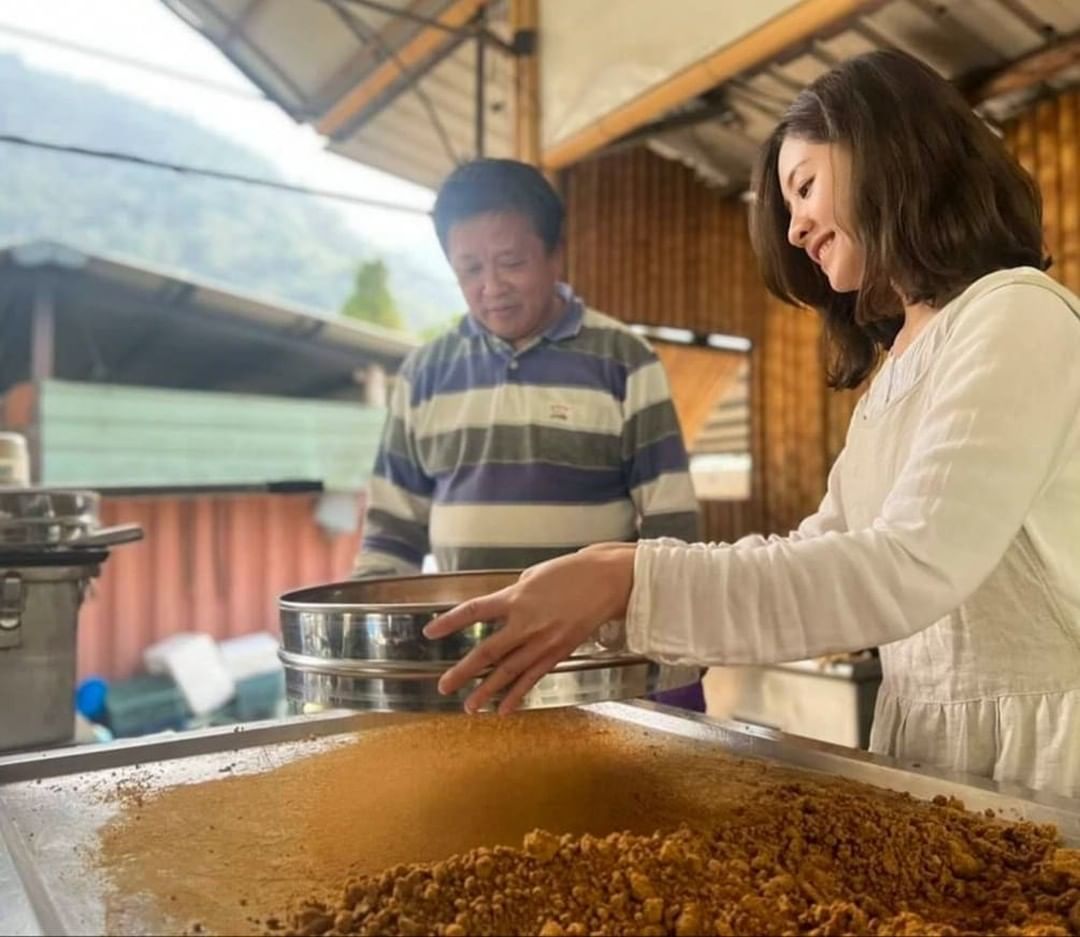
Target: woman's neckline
928, 320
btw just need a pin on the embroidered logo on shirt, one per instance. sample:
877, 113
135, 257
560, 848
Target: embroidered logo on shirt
560, 412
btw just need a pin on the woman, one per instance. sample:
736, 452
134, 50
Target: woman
950, 532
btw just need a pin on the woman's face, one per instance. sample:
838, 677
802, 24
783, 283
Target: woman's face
815, 181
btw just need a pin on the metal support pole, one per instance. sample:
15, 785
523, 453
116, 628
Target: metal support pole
481, 49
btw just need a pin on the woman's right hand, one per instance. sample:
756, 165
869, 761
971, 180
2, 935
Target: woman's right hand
547, 614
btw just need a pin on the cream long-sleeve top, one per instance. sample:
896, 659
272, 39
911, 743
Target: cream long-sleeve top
949, 536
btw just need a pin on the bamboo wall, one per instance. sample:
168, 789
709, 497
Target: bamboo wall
1046, 141
648, 242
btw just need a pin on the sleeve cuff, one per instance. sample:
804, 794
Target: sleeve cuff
638, 609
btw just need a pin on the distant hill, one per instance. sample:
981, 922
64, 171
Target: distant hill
288, 247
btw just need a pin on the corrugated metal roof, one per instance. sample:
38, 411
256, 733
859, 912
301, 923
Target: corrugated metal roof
311, 57
122, 322
319, 59
965, 40
207, 297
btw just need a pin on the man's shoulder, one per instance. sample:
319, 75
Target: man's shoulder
595, 319
605, 335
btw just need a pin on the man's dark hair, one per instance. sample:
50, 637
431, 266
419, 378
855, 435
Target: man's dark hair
938, 202
499, 185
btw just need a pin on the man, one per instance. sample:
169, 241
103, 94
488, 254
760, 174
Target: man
534, 427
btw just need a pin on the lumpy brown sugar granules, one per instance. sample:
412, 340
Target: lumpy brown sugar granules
428, 827
814, 861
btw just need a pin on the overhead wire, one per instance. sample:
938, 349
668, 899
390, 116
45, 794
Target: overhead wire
185, 169
251, 95
226, 176
356, 25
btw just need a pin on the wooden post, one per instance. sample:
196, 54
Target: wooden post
525, 21
43, 332
375, 385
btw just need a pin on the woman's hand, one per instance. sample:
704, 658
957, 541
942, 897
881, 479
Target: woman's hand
552, 609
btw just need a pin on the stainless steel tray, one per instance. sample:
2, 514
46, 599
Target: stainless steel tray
359, 645
48, 823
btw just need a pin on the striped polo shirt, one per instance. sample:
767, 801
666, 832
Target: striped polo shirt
498, 458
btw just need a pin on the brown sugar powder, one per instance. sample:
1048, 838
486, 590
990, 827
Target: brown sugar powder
393, 831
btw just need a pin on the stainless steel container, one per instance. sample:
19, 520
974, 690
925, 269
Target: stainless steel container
39, 609
360, 645
50, 548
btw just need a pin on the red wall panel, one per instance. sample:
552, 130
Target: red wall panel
211, 563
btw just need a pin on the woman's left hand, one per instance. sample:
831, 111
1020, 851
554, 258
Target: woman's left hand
552, 609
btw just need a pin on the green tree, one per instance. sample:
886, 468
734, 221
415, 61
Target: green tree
371, 299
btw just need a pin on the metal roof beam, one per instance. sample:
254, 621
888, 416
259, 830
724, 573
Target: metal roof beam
955, 28
464, 32
234, 33
237, 26
395, 93
684, 119
1029, 18
427, 43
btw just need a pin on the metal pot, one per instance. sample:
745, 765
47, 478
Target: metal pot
360, 645
39, 609
50, 548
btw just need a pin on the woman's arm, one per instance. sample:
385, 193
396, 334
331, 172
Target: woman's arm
1005, 405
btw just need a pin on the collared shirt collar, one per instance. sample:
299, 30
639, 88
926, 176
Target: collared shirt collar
566, 326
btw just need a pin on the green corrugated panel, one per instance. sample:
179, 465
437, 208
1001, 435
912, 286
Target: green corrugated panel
95, 434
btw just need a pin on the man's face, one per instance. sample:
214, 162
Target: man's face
505, 273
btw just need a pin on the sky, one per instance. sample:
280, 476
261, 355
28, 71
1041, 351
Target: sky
148, 31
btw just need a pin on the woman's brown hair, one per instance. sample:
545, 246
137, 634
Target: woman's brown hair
937, 202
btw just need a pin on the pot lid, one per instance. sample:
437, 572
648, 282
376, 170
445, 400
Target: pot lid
33, 518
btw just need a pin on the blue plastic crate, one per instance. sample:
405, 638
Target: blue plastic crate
144, 704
